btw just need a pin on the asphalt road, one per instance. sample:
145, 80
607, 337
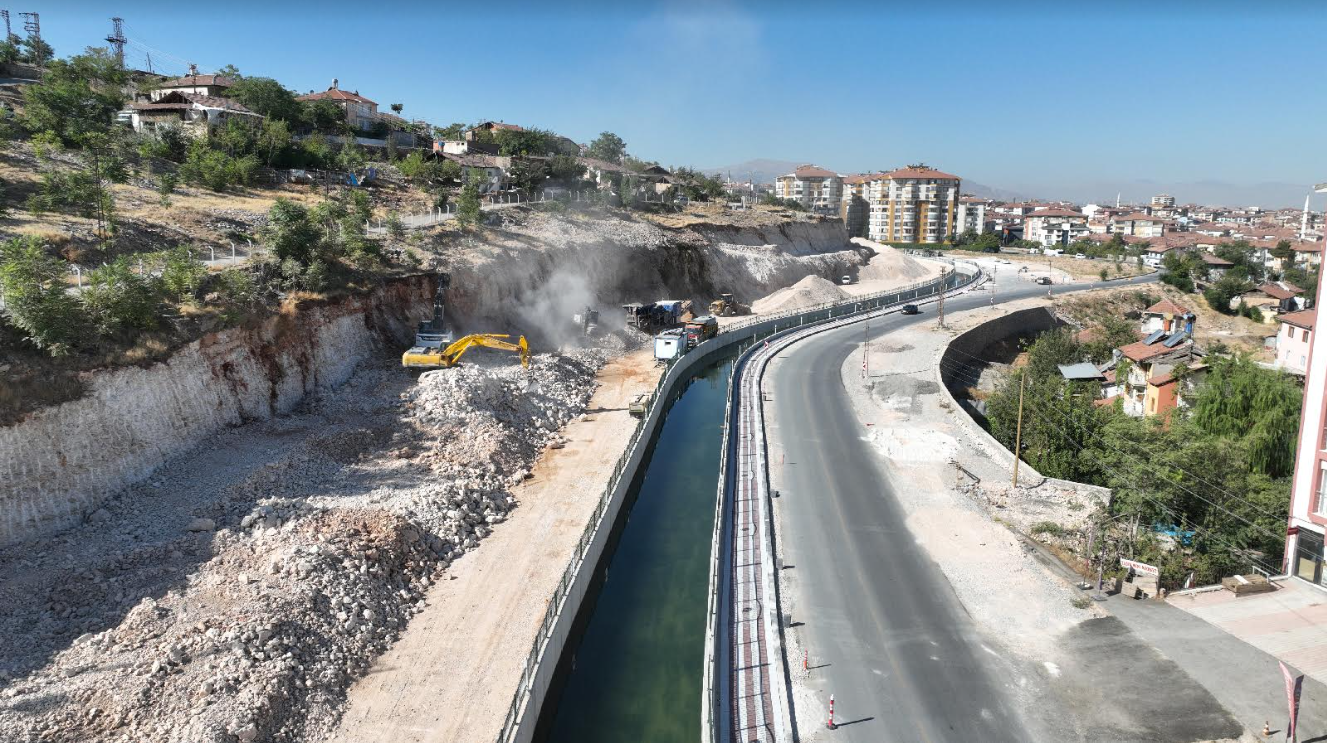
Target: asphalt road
889, 638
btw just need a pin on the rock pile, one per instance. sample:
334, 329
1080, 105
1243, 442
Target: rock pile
242, 605
808, 292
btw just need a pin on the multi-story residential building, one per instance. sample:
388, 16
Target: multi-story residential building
1308, 491
855, 210
361, 113
1139, 225
1294, 340
1165, 201
916, 204
971, 215
1055, 226
817, 189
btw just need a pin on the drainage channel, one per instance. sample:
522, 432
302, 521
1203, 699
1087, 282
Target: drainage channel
634, 670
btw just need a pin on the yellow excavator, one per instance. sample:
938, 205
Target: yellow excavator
434, 345
437, 357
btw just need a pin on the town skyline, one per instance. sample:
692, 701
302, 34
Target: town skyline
1160, 107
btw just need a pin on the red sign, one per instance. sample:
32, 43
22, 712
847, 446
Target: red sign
1294, 688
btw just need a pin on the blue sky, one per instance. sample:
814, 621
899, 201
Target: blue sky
1047, 99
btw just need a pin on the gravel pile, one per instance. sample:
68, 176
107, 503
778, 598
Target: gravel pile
808, 292
236, 595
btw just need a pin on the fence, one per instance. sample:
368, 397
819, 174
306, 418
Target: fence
515, 724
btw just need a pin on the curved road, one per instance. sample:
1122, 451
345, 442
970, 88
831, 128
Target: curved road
891, 639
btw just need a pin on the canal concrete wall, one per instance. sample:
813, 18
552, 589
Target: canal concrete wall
557, 629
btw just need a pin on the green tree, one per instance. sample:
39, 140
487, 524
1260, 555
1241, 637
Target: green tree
526, 142
1282, 250
324, 116
467, 204
181, 274
37, 300
526, 174
76, 98
607, 146
454, 132
1220, 293
266, 97
117, 298
35, 50
565, 169
273, 141
1240, 399
290, 233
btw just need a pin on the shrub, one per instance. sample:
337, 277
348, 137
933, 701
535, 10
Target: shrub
118, 298
395, 228
1048, 527
290, 233
36, 300
181, 274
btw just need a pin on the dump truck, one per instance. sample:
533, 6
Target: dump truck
665, 313
727, 306
700, 330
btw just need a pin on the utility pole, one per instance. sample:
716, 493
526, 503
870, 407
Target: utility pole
942, 298
32, 25
1018, 432
117, 40
9, 31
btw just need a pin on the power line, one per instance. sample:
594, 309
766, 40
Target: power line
1072, 441
116, 40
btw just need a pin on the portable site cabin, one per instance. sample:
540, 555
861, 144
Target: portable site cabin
669, 344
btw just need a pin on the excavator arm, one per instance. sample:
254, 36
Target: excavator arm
452, 354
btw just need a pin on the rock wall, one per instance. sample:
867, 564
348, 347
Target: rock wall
58, 464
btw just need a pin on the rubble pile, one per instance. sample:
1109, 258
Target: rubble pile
242, 604
809, 292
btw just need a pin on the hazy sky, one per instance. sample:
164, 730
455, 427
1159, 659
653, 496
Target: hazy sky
1065, 98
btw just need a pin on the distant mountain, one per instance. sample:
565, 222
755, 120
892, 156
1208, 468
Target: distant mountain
1267, 194
760, 171
981, 190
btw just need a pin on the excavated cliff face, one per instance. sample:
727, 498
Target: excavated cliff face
528, 275
57, 465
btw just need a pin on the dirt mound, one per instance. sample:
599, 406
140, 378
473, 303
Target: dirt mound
890, 264
808, 292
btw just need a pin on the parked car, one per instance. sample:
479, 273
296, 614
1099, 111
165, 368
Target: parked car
911, 309
1043, 280
1080, 256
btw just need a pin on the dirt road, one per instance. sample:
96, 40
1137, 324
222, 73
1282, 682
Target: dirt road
451, 675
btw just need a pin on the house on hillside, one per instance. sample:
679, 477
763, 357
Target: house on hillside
489, 127
1293, 340
1167, 317
1274, 297
1163, 369
494, 168
193, 113
214, 86
1216, 266
602, 172
361, 113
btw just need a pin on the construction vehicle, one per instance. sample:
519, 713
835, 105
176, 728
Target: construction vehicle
700, 330
433, 335
640, 404
434, 357
726, 306
666, 313
588, 320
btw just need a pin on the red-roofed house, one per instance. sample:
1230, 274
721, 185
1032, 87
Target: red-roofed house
1293, 340
194, 83
812, 186
361, 113
1167, 317
1145, 388
192, 113
1273, 297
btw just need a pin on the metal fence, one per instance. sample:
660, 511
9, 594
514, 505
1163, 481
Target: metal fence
510, 723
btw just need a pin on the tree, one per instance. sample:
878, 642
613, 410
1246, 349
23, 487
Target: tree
37, 302
117, 298
231, 71
290, 232
266, 97
397, 108
607, 146
1240, 399
526, 174
565, 169
273, 140
453, 132
467, 204
1282, 250
1220, 293
181, 275
76, 98
35, 50
324, 116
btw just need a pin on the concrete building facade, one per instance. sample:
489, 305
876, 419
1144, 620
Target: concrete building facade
916, 204
814, 187
1307, 522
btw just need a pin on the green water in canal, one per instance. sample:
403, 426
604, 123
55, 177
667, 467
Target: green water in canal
637, 670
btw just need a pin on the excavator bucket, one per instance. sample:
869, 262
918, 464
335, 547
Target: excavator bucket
525, 352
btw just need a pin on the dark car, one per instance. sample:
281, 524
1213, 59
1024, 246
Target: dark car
1044, 280
911, 309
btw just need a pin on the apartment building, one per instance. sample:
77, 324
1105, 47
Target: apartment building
361, 113
817, 189
1139, 225
855, 210
1163, 201
971, 215
1308, 491
916, 204
1055, 226
1293, 341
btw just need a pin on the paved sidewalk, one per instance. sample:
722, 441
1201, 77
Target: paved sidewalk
1246, 680
1289, 623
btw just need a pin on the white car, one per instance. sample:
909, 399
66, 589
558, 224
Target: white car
1080, 256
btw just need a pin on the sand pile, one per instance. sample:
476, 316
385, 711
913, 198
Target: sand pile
890, 264
808, 292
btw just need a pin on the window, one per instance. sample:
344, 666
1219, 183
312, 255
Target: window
1306, 336
1321, 495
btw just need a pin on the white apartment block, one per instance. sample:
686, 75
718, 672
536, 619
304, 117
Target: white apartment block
971, 215
1055, 226
1308, 491
814, 187
915, 204
1165, 201
1138, 225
